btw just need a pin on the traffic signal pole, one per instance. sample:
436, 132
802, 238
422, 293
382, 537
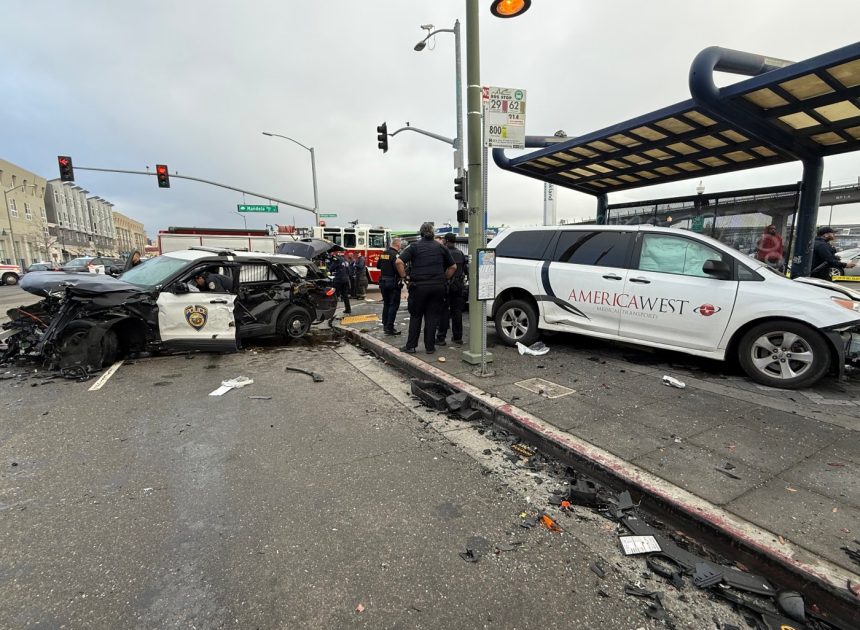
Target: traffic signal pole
475, 200
203, 181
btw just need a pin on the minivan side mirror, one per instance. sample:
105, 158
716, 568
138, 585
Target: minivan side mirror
717, 269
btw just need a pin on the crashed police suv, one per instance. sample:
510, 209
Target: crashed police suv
196, 299
673, 289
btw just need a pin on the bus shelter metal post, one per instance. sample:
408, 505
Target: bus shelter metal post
810, 194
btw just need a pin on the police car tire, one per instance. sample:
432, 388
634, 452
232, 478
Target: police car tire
808, 338
294, 322
517, 309
74, 335
10, 279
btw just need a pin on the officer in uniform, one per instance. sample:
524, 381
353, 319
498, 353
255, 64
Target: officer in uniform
210, 281
456, 302
390, 285
432, 265
339, 270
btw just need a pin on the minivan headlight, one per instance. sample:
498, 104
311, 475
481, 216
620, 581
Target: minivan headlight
849, 304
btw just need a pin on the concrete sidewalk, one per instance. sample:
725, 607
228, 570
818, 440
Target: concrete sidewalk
775, 470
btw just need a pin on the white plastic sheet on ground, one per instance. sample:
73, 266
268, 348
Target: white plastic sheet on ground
537, 349
233, 383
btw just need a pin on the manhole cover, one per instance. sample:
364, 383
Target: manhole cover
545, 388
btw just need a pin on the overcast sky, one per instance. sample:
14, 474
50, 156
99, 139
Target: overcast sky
192, 84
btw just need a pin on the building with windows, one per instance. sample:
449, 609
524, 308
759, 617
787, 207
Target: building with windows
130, 234
24, 234
82, 225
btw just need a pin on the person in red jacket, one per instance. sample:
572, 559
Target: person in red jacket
769, 249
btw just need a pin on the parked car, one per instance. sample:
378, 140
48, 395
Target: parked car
93, 319
10, 274
42, 266
672, 289
95, 264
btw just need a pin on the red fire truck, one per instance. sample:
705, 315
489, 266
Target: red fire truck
358, 239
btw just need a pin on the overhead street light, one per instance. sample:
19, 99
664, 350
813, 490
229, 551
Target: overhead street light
509, 8
458, 141
313, 170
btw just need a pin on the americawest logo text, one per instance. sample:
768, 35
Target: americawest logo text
630, 301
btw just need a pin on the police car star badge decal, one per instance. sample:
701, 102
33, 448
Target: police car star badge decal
196, 316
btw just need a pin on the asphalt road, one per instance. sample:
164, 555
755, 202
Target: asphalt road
150, 504
11, 297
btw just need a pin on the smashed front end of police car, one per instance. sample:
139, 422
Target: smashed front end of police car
83, 320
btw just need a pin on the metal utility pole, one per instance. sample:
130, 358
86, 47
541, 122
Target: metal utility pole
313, 171
475, 200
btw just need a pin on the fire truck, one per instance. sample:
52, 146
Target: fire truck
176, 238
358, 239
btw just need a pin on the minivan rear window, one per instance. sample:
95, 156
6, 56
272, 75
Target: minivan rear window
596, 248
529, 244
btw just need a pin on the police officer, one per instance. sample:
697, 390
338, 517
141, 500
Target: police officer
390, 285
339, 271
360, 277
456, 302
210, 281
432, 265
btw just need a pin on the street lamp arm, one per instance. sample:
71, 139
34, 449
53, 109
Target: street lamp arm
436, 136
420, 45
277, 135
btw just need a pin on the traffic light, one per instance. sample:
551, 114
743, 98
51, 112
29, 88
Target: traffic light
460, 188
67, 173
382, 138
163, 175
462, 216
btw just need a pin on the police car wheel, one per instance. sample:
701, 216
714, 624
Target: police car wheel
784, 354
10, 279
516, 321
294, 323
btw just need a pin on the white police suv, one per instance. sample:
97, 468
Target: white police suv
672, 289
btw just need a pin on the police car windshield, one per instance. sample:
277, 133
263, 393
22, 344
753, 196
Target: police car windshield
154, 271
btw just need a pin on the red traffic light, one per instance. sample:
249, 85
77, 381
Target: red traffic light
163, 175
67, 173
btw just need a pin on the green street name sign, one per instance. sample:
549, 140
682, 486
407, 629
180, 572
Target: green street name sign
257, 208
327, 216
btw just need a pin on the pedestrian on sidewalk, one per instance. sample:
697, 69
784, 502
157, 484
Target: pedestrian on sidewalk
390, 285
432, 265
350, 266
455, 301
823, 257
360, 277
339, 271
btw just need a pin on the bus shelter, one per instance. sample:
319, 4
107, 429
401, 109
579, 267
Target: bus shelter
785, 112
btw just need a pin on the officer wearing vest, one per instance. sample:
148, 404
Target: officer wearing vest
432, 265
456, 302
390, 285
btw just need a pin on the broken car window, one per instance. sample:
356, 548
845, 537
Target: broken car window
154, 272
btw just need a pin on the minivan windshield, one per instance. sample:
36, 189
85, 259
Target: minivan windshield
150, 273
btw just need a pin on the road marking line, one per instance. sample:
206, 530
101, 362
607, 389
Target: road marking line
106, 376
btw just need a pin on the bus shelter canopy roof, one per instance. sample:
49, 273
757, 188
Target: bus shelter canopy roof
809, 108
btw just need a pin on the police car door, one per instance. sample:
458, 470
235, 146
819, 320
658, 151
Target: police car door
584, 278
197, 321
670, 300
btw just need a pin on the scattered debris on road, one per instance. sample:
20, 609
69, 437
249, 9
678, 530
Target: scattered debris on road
537, 349
233, 383
317, 378
673, 382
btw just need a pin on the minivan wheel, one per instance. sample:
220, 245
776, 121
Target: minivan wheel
784, 354
516, 321
295, 322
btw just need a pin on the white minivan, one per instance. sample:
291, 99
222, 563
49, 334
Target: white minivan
673, 289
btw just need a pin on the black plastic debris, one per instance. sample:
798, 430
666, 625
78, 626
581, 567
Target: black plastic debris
791, 603
456, 401
853, 554
317, 378
726, 473
707, 575
470, 415
583, 491
530, 522
598, 569
470, 555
